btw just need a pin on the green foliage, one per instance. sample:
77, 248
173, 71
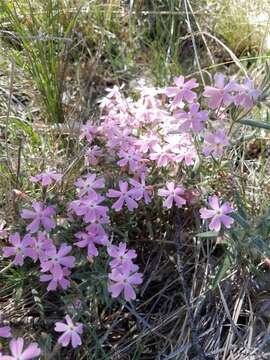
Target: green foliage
43, 30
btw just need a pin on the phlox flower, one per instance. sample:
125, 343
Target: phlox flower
125, 197
5, 332
92, 155
147, 142
88, 131
58, 259
193, 119
121, 139
19, 249
218, 213
221, 93
17, 353
41, 216
162, 155
55, 280
94, 234
89, 184
214, 143
140, 190
122, 257
247, 95
124, 281
144, 116
130, 158
71, 332
173, 194
90, 207
47, 178
182, 148
182, 91
40, 245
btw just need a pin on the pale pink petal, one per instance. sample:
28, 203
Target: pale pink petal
5, 331
64, 339
60, 327
16, 346
214, 202
215, 223
31, 352
75, 340
129, 292
206, 213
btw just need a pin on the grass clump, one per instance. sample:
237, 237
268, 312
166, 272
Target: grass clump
43, 31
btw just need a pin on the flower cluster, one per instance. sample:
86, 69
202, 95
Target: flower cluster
123, 275
151, 147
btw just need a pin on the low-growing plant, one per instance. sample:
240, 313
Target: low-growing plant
151, 164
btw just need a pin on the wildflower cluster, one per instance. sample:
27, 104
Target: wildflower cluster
166, 131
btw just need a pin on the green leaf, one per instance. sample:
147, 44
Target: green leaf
207, 234
240, 206
238, 218
222, 271
261, 245
255, 124
18, 294
27, 128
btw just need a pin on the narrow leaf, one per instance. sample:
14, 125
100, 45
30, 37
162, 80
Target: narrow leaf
255, 124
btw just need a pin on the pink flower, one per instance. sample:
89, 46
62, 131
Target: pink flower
215, 143
221, 93
162, 155
87, 131
124, 196
92, 155
182, 91
193, 119
47, 178
56, 259
218, 213
71, 332
122, 257
124, 281
129, 157
172, 194
90, 207
5, 332
95, 234
147, 142
40, 215
55, 280
16, 347
247, 95
20, 249
40, 245
140, 190
182, 148
90, 184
